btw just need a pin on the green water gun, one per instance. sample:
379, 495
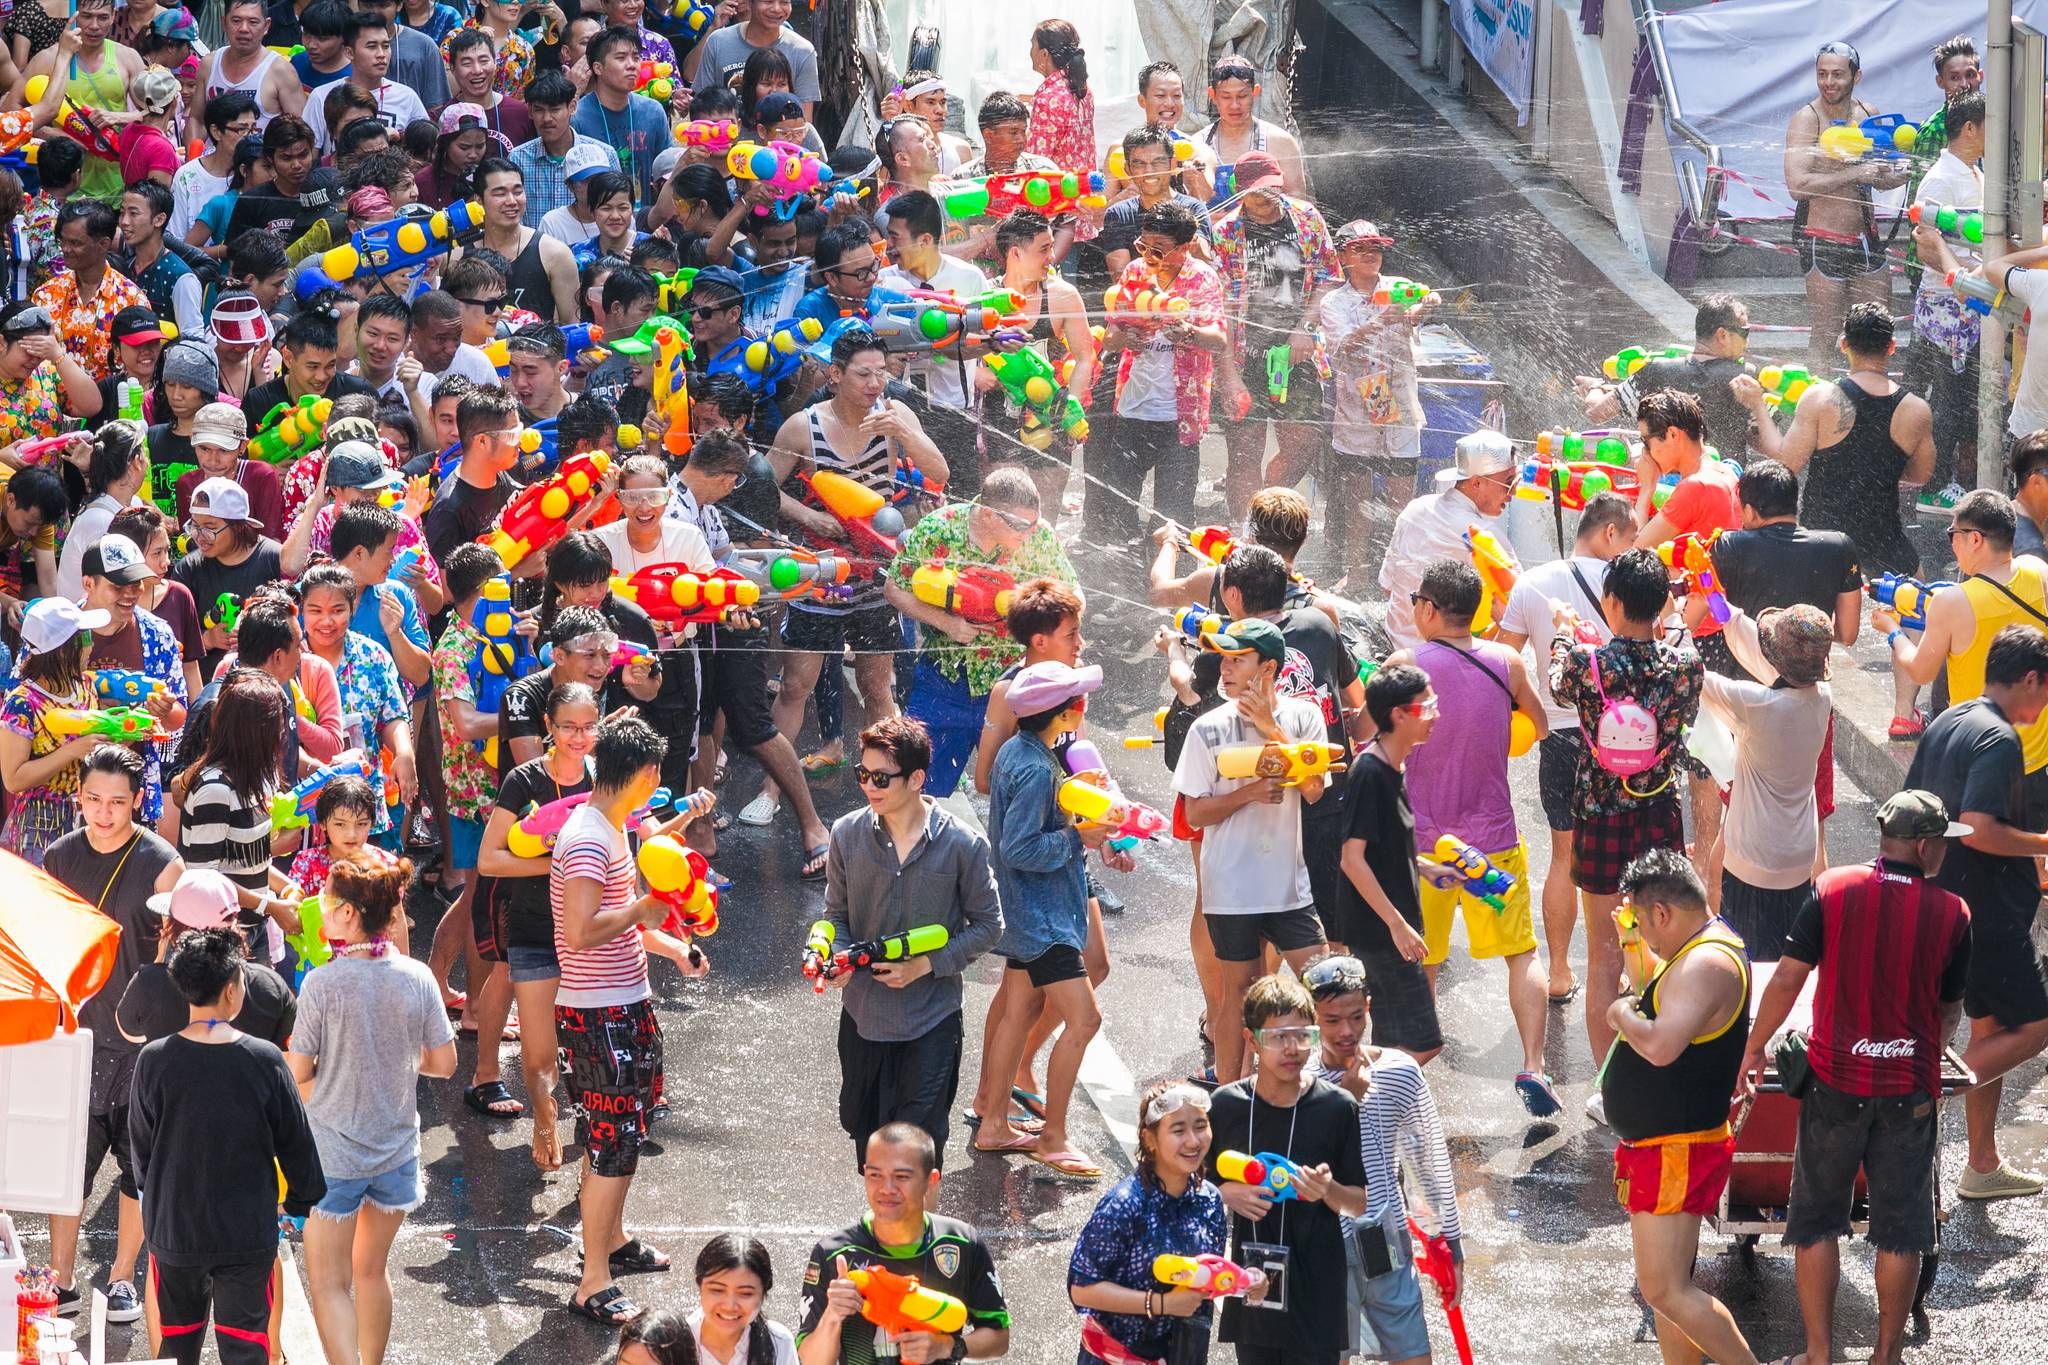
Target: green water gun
1279, 370
309, 943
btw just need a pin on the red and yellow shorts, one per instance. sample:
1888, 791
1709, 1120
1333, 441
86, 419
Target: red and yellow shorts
1676, 1173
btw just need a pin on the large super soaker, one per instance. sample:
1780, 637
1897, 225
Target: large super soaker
1904, 597
1277, 1176
789, 574
679, 878
1033, 384
1624, 363
1294, 763
900, 1305
1096, 804
538, 514
790, 172
504, 656
1210, 1275
1886, 137
291, 431
1694, 556
390, 247
78, 124
293, 809
1482, 880
974, 592
1497, 574
1051, 193
871, 524
767, 361
677, 595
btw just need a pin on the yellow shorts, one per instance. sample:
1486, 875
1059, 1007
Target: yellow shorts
1491, 933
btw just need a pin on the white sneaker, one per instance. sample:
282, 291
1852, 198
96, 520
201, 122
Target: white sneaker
1596, 1108
123, 1303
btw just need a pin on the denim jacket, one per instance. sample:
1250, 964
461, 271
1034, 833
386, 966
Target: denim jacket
1041, 865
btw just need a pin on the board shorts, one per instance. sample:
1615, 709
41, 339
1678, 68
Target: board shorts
1675, 1173
1604, 845
1489, 932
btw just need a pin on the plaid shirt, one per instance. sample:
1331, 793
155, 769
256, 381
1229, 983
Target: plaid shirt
545, 188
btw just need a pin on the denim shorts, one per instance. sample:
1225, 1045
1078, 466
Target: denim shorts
465, 836
1387, 1308
397, 1190
532, 964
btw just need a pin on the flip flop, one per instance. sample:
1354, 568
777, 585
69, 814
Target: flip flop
760, 811
483, 1099
1019, 1145
1537, 1096
455, 1002
813, 764
814, 862
1023, 1123
1567, 997
1070, 1164
1033, 1104
608, 1307
721, 822
635, 1258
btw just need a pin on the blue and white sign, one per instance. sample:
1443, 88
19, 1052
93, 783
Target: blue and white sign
1501, 36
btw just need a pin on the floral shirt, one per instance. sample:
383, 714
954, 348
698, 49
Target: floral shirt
163, 660
83, 324
370, 699
942, 535
299, 483
39, 232
1062, 130
1194, 368
32, 407
472, 785
1318, 261
311, 864
655, 48
1134, 1224
22, 712
1662, 678
515, 59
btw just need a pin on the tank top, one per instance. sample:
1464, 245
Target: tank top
527, 281
875, 468
1221, 192
1461, 786
1993, 612
219, 84
1691, 1095
1853, 485
105, 89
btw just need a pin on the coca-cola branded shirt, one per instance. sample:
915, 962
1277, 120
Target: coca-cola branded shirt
1891, 948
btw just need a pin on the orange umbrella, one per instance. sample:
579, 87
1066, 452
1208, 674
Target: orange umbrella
55, 951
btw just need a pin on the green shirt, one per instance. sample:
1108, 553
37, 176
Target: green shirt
943, 535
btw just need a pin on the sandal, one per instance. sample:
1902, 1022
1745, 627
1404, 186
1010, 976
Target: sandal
760, 811
814, 862
814, 764
1021, 1145
1032, 1104
1566, 998
1023, 1123
636, 1259
721, 822
1906, 727
455, 1002
608, 1307
509, 1035
1071, 1164
491, 1098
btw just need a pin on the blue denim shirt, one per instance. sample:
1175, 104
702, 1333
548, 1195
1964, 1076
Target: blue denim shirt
1041, 865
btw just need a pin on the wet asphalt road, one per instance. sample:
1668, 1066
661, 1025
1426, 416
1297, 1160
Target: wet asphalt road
481, 1270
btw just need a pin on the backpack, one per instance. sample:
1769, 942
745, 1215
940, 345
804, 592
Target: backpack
1625, 742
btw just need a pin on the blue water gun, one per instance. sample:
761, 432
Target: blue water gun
1271, 1172
767, 361
505, 656
294, 809
124, 686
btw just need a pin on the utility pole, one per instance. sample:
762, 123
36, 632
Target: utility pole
1997, 229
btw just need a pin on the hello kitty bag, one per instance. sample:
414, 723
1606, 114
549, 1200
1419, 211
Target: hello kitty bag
1625, 743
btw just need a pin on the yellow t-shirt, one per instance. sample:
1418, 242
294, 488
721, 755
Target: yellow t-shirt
46, 538
1993, 611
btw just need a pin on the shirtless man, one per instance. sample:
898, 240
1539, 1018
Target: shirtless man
1052, 309
1834, 224
1234, 91
1162, 98
246, 64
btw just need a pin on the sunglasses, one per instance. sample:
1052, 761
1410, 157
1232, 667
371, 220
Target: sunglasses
1015, 523
491, 305
1334, 974
874, 777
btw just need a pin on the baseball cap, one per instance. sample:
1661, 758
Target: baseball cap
239, 320
778, 105
1050, 685
53, 622
462, 118
154, 91
1248, 636
118, 559
1914, 814
1795, 640
582, 162
220, 425
223, 498
1258, 171
133, 326
665, 164
722, 275
202, 899
359, 464
1360, 230
1478, 454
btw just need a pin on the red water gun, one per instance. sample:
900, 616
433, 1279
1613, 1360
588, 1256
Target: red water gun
1694, 556
872, 526
676, 594
974, 592
1433, 1258
679, 878
538, 515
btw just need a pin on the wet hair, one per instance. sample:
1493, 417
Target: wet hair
116, 760
266, 628
346, 792
738, 1251
351, 140
719, 452
154, 193
1666, 875
903, 739
113, 453
551, 88
1390, 689
1170, 219
625, 748
374, 887
605, 40
1990, 514
1279, 520
918, 211
311, 331
324, 19
40, 489
725, 392
584, 422
627, 285
999, 108
839, 241
59, 161
2015, 652
1260, 576
1638, 580
1660, 412
539, 338
468, 567
606, 185
1604, 510
362, 526
1020, 228
328, 578
903, 1134
1949, 49
1454, 586
1767, 488
286, 131
97, 215
257, 254
664, 1333
484, 408
202, 962
1041, 606
463, 39
1275, 996
852, 342
494, 165
390, 307
1715, 312
1867, 329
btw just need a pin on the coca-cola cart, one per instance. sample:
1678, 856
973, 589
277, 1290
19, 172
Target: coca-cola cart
1759, 1188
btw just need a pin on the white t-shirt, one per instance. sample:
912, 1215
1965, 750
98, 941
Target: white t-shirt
1430, 528
1953, 185
566, 228
1528, 614
1773, 829
469, 362
1147, 395
940, 377
681, 543
397, 106
191, 188
2030, 404
86, 529
1386, 366
778, 1335
1252, 862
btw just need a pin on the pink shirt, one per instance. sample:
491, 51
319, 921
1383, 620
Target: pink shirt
145, 149
321, 737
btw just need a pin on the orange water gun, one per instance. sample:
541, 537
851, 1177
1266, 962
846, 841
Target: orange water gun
900, 1304
676, 594
1497, 573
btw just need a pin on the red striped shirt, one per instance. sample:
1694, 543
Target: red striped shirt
615, 972
1890, 946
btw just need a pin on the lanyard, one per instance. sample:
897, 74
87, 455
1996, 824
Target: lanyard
107, 890
1252, 1145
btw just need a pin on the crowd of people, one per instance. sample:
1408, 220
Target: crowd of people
342, 587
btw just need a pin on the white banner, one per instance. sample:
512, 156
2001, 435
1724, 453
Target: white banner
1501, 36
1742, 68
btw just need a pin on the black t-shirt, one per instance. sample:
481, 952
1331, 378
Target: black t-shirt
1971, 758
1321, 1127
952, 1259
207, 579
1318, 667
1376, 811
463, 512
264, 397
1707, 380
1121, 220
119, 884
289, 216
1783, 564
520, 904
522, 713
151, 1007
167, 448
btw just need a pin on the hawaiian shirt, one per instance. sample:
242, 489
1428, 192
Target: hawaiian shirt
942, 535
1661, 678
442, 20
655, 48
1318, 258
1062, 130
39, 235
164, 661
32, 407
1194, 367
311, 864
83, 325
299, 483
370, 699
409, 536
1135, 1223
472, 785
22, 712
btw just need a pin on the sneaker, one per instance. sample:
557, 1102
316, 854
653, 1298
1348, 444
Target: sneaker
2007, 1182
1596, 1108
123, 1303
1537, 1095
1939, 504
67, 1303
